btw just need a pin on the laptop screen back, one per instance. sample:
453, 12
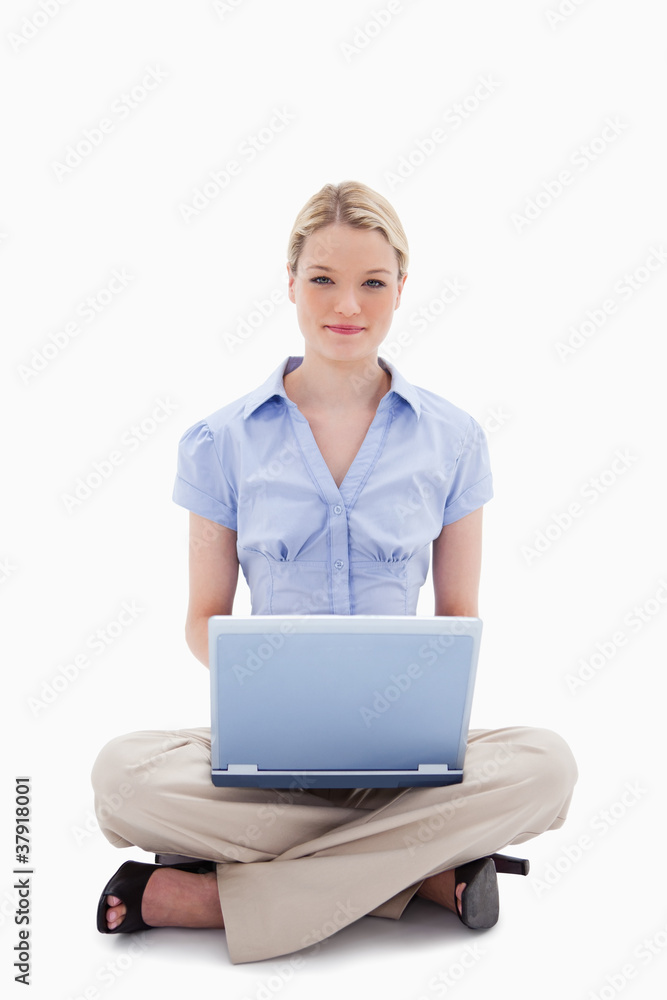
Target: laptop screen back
329, 699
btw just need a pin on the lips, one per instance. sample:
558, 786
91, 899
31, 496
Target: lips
345, 329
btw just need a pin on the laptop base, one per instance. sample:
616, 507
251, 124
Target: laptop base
334, 779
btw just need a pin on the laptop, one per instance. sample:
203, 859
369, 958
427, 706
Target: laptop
340, 701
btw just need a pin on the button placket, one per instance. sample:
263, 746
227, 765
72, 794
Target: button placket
337, 519
339, 559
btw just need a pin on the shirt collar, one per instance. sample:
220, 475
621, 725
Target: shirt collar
274, 386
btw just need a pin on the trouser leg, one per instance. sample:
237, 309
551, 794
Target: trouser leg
296, 865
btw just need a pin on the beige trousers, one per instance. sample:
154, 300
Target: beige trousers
295, 865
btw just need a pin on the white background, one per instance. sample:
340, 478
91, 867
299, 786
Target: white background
360, 97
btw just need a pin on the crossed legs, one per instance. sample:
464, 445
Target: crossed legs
295, 865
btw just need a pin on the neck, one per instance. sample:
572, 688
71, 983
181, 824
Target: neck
321, 383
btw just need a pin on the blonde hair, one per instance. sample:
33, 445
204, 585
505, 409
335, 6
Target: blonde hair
354, 204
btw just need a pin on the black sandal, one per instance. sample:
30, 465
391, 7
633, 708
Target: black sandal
129, 884
480, 905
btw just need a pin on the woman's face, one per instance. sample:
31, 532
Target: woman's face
346, 290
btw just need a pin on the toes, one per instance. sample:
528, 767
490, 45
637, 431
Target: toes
459, 896
115, 913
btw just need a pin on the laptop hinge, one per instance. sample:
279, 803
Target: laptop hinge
252, 768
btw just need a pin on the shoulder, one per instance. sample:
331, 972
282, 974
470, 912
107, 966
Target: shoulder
227, 420
438, 408
232, 418
438, 414
432, 411
229, 416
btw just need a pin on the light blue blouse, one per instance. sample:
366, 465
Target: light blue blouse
304, 545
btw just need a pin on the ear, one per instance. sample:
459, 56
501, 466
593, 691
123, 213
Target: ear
290, 286
400, 290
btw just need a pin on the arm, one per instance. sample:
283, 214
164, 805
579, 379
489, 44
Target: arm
214, 570
457, 563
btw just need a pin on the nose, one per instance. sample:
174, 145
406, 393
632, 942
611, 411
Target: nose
346, 301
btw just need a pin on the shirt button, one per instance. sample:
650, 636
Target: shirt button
338, 564
338, 509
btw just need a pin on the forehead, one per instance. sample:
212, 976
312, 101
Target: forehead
343, 247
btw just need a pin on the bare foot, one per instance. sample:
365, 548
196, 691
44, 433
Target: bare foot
174, 898
442, 889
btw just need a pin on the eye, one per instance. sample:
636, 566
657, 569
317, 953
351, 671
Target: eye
325, 279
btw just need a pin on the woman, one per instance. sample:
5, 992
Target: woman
309, 483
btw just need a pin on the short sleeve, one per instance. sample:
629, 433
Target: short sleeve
472, 484
201, 484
